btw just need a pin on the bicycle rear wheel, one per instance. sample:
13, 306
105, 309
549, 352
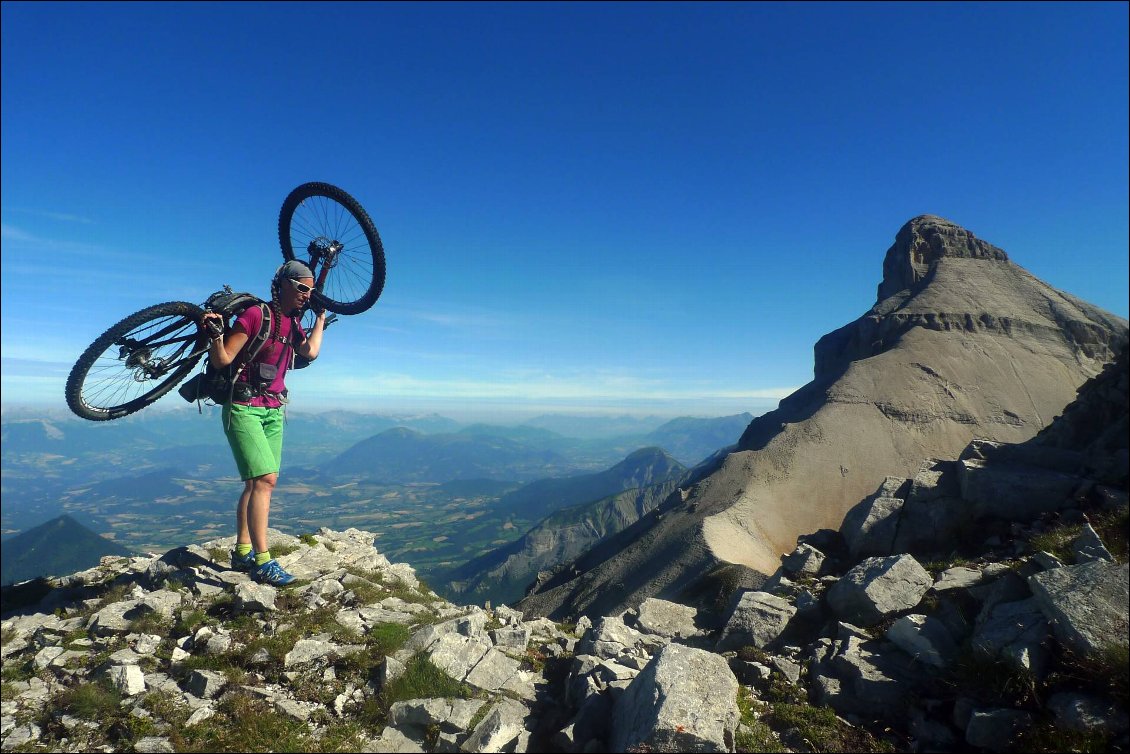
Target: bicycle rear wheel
318, 216
136, 361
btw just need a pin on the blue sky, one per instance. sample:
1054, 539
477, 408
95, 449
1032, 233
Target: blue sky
638, 207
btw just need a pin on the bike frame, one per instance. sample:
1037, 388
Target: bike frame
323, 250
135, 353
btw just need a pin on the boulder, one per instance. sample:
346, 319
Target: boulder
684, 700
932, 526
500, 730
206, 684
611, 636
958, 577
513, 638
388, 671
117, 617
805, 560
127, 679
1015, 632
153, 745
492, 671
449, 714
164, 602
870, 527
1088, 547
306, 651
878, 587
1013, 493
924, 638
667, 619
758, 619
591, 723
254, 598
857, 675
393, 740
936, 479
996, 729
1085, 713
457, 655
1086, 604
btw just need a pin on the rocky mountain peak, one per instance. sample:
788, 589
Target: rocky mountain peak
963, 344
922, 242
648, 459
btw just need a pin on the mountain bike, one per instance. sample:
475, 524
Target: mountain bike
145, 355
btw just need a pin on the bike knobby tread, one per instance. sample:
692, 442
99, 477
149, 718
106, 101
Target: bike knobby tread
329, 191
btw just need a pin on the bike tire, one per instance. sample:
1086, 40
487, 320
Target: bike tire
319, 210
103, 386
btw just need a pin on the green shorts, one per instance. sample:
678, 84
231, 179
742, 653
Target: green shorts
255, 435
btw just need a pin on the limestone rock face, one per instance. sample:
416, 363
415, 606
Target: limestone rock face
961, 344
921, 243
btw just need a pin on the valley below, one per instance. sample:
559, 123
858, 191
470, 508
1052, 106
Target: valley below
433, 492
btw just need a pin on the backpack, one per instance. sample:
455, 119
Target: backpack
218, 384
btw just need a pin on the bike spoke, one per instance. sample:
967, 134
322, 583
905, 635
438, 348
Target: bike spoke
321, 217
136, 364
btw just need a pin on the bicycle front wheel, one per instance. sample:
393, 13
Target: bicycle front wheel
317, 217
136, 361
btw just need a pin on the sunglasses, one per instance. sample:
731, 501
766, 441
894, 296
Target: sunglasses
301, 287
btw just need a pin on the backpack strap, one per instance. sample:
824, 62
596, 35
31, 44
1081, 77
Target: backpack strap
252, 349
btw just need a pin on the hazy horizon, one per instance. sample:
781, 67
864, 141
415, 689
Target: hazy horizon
463, 414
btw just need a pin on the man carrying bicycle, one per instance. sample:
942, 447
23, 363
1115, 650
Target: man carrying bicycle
253, 418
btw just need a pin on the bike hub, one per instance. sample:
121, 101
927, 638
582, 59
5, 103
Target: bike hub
325, 249
135, 359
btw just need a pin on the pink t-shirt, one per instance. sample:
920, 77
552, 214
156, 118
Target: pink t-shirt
275, 351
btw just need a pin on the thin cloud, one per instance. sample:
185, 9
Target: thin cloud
10, 234
16, 241
60, 216
462, 319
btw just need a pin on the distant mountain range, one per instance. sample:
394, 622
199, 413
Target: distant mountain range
522, 453
596, 427
692, 439
58, 547
642, 468
402, 455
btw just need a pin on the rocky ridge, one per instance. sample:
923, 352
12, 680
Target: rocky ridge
961, 344
504, 574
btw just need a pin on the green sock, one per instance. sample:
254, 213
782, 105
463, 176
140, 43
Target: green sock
262, 557
243, 549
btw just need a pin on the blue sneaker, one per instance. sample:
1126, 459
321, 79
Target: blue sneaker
271, 573
244, 563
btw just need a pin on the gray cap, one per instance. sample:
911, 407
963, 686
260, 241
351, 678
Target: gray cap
293, 270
